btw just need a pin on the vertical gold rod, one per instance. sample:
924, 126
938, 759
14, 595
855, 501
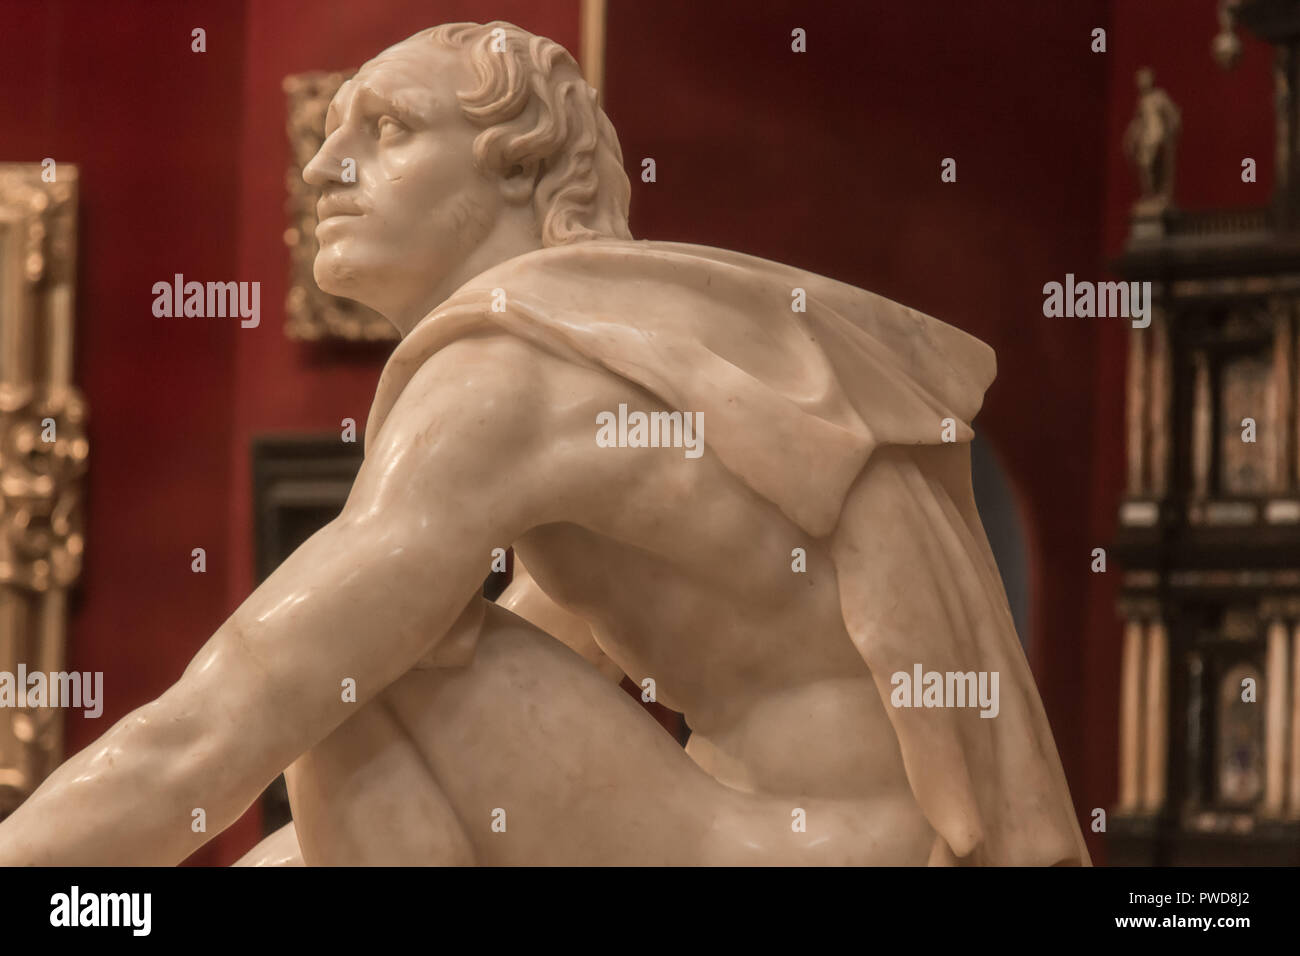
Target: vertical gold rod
1130, 718
15, 332
1137, 411
1157, 712
17, 760
1275, 714
1280, 392
593, 44
51, 632
1294, 768
1294, 468
10, 655
1159, 400
1202, 424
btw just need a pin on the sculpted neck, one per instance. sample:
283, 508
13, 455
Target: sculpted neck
509, 238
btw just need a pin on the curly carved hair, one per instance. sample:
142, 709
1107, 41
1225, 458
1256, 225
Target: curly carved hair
538, 112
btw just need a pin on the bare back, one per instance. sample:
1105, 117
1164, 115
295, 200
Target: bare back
685, 576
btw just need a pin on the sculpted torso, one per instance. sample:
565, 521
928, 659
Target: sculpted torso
681, 579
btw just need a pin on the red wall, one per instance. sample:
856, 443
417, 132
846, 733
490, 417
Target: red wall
828, 160
156, 132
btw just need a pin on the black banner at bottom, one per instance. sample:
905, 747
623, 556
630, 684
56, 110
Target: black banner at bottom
128, 907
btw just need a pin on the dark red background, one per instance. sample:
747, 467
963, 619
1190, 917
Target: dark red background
828, 160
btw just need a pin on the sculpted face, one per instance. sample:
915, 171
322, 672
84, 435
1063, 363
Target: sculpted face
401, 237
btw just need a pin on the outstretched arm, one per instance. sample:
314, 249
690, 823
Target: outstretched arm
363, 599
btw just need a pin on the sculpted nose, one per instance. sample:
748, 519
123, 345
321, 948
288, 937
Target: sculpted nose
324, 167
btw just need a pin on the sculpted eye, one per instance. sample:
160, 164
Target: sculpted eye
389, 127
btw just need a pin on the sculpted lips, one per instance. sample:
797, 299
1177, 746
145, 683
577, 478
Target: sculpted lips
327, 207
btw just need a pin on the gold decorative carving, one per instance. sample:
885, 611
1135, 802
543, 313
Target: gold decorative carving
315, 315
43, 453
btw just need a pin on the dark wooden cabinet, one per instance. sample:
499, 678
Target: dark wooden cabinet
1209, 532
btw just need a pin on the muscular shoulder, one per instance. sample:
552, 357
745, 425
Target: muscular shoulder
488, 384
502, 423
503, 392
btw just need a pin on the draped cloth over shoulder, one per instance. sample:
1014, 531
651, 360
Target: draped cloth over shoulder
796, 405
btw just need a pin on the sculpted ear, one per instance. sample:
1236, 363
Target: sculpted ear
519, 182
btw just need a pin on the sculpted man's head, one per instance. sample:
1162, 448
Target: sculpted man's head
471, 144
